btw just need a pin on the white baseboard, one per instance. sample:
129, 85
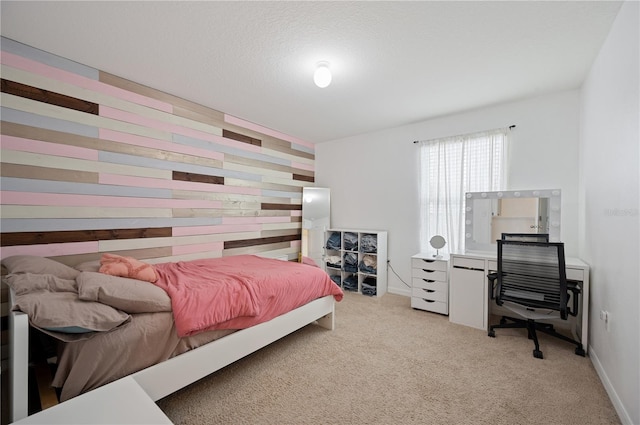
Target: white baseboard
400, 291
617, 403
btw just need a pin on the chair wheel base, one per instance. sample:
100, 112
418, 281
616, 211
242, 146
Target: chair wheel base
492, 333
580, 351
537, 354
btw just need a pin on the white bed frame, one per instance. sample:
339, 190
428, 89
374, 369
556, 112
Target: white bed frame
167, 377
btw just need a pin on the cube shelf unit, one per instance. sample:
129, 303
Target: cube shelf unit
369, 248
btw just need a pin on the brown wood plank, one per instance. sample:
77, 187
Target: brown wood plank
270, 144
50, 174
261, 241
301, 172
38, 238
241, 137
200, 114
304, 178
46, 96
52, 136
269, 206
200, 178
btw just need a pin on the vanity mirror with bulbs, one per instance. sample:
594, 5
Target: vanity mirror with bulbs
487, 216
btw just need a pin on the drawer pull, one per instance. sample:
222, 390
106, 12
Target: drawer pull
428, 280
428, 271
429, 301
428, 290
428, 261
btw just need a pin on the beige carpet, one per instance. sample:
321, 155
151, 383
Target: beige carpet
389, 364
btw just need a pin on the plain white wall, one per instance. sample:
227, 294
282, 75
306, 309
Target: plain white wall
610, 163
374, 177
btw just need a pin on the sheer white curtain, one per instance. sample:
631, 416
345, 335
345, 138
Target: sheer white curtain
449, 168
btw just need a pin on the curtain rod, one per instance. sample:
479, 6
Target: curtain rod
511, 127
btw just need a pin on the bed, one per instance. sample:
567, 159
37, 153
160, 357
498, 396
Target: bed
150, 331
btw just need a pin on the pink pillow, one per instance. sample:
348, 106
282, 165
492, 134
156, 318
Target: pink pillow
116, 265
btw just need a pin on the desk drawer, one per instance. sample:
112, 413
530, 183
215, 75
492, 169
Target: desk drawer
435, 285
470, 263
422, 263
575, 274
428, 305
429, 274
492, 265
430, 294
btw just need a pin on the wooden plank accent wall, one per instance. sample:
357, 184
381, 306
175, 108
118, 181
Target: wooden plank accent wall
94, 163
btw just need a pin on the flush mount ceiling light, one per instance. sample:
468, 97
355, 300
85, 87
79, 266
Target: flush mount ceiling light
322, 76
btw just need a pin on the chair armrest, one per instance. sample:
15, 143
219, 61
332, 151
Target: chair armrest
492, 278
575, 289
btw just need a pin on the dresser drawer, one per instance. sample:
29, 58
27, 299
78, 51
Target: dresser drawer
430, 294
435, 285
424, 263
429, 274
435, 306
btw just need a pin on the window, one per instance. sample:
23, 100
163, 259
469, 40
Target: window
449, 168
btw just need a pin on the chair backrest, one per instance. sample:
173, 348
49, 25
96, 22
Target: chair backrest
526, 237
532, 274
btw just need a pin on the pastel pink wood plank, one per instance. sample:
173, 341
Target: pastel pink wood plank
262, 220
296, 244
308, 167
192, 249
71, 200
47, 148
29, 65
148, 142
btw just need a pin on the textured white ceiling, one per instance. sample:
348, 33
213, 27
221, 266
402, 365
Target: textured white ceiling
393, 63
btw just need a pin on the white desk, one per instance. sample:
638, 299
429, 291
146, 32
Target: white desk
469, 295
120, 402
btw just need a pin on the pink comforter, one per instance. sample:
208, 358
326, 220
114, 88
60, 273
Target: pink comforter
239, 291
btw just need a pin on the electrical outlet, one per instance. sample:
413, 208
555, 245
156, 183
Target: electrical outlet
606, 318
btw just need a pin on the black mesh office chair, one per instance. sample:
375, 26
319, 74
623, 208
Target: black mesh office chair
526, 237
531, 281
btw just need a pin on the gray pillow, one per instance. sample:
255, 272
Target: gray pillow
38, 265
65, 312
88, 266
23, 283
130, 295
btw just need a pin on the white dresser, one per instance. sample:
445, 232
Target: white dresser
430, 283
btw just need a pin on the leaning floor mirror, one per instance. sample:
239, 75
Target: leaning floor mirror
316, 212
